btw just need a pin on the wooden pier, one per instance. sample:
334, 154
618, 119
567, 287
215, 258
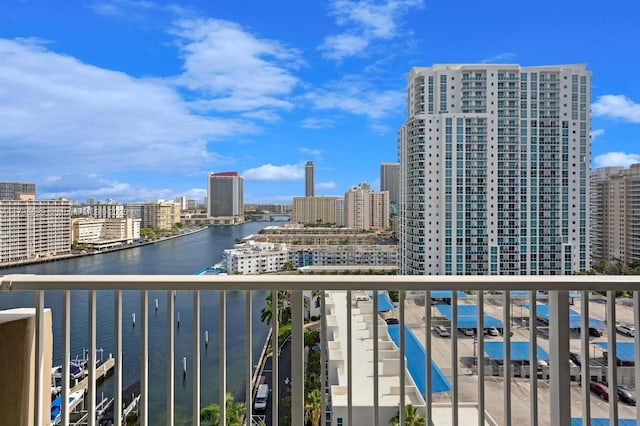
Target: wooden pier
101, 372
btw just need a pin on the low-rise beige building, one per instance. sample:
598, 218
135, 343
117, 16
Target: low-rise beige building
99, 231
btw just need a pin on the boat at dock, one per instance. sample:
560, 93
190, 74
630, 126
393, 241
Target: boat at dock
217, 269
56, 406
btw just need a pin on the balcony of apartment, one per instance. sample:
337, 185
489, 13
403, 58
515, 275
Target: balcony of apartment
367, 380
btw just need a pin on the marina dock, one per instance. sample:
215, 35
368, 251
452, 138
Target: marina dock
101, 373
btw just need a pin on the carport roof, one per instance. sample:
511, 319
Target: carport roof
494, 349
625, 351
384, 303
577, 421
468, 316
575, 319
446, 294
416, 355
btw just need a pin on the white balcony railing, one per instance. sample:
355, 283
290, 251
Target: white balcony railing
559, 411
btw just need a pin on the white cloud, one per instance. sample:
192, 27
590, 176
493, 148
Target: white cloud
314, 152
316, 123
616, 159
501, 57
596, 133
269, 172
343, 45
195, 194
616, 106
366, 20
357, 97
57, 110
326, 185
82, 186
234, 70
142, 12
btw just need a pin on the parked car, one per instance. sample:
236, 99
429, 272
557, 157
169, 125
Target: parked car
491, 331
627, 330
575, 358
601, 390
542, 363
595, 332
391, 321
442, 331
625, 396
467, 331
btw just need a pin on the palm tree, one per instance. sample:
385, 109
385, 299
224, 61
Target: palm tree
411, 417
210, 415
313, 408
267, 312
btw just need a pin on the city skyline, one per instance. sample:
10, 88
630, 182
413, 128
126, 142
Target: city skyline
140, 100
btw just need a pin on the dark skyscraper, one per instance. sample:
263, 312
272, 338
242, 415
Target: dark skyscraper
309, 182
225, 194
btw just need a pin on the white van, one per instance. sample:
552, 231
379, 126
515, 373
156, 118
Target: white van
262, 396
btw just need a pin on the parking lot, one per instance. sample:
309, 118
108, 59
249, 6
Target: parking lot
494, 390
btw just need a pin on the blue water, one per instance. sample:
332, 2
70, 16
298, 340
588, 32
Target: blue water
185, 255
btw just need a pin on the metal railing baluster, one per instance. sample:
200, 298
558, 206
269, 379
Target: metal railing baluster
195, 402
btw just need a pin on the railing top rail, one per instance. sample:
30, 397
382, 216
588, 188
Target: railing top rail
17, 282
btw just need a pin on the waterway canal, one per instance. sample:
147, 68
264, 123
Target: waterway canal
185, 255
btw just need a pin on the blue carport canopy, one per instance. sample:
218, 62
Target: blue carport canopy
577, 421
446, 294
625, 351
416, 355
468, 316
494, 349
575, 319
384, 303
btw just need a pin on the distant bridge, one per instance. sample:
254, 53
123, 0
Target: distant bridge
279, 217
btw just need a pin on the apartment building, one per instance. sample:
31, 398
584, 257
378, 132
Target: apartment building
105, 231
365, 208
17, 190
252, 258
494, 163
108, 211
615, 213
314, 210
225, 194
33, 229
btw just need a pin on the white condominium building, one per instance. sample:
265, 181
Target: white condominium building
615, 213
366, 209
33, 229
107, 211
252, 258
494, 170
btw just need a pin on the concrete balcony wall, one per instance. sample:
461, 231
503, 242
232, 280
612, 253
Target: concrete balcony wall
17, 357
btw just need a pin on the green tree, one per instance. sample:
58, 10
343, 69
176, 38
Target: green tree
210, 415
288, 266
411, 417
313, 408
267, 312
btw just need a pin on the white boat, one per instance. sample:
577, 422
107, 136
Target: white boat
56, 406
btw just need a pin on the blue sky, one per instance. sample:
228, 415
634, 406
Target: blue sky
138, 100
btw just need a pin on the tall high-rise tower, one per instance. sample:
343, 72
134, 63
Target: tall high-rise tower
389, 180
494, 170
309, 183
225, 194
